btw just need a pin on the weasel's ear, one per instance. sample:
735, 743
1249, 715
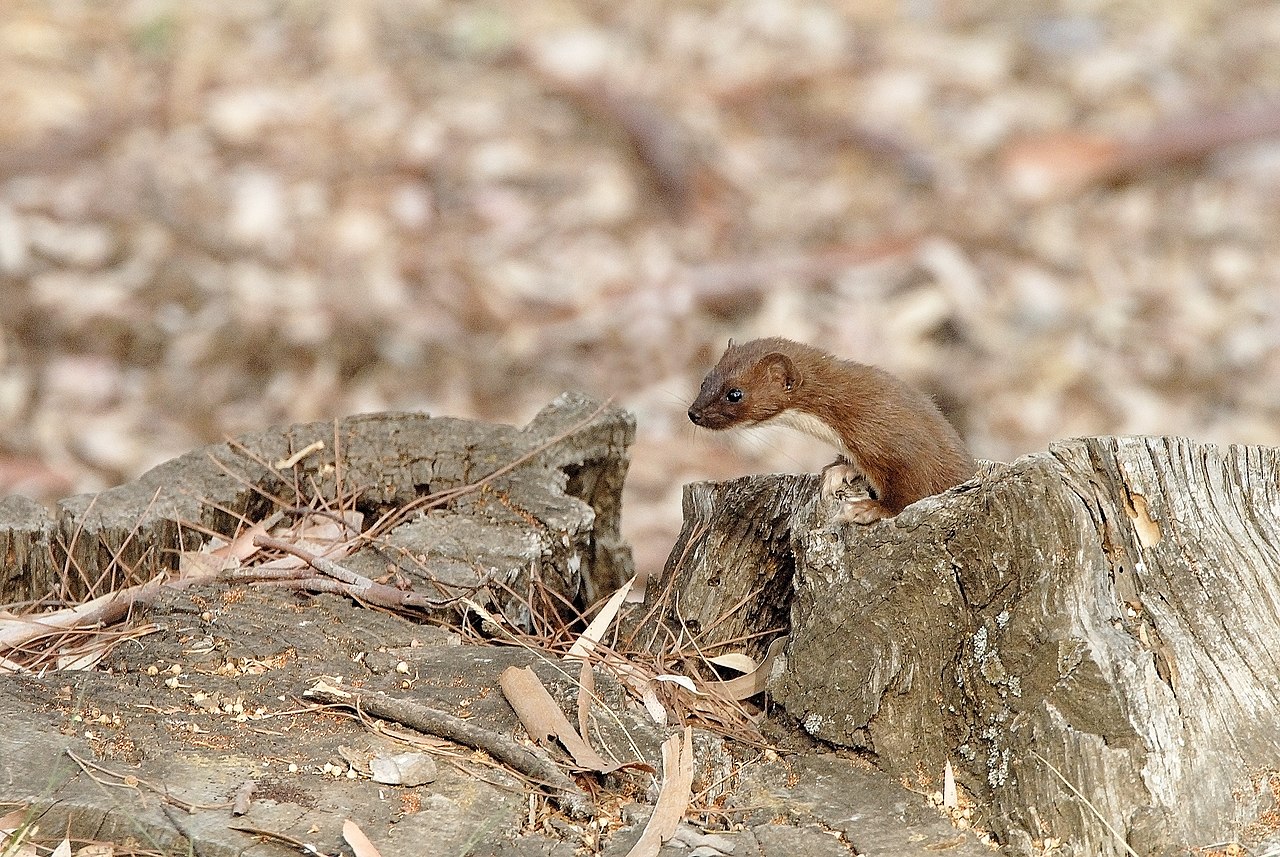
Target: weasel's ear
781, 370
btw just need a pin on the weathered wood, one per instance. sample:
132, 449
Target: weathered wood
556, 517
714, 603
1109, 608
26, 562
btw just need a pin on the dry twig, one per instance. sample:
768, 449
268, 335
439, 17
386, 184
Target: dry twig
530, 762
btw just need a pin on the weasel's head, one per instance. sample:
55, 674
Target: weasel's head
753, 382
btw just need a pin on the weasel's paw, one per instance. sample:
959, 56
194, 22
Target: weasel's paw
836, 476
864, 511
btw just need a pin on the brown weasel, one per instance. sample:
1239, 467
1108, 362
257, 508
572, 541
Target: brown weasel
884, 428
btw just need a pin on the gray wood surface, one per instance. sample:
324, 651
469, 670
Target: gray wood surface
568, 495
1108, 609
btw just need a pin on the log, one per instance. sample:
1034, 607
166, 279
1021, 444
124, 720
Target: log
1090, 635
556, 517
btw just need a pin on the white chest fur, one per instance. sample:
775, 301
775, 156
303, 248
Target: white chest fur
809, 425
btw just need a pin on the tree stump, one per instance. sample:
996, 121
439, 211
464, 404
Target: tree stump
555, 517
740, 605
1089, 635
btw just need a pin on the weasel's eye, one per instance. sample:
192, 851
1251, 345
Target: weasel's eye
734, 395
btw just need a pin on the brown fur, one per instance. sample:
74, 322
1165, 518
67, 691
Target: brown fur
889, 430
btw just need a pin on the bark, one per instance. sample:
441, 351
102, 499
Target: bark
1096, 623
555, 517
729, 577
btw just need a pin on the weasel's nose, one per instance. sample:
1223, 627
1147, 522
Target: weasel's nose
695, 417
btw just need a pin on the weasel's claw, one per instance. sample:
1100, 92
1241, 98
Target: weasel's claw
836, 476
864, 511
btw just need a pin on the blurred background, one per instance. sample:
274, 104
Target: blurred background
215, 217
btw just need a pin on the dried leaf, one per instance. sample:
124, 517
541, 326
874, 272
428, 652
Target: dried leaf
747, 686
586, 691
682, 680
200, 565
242, 547
656, 710
735, 661
949, 797
543, 719
596, 629
63, 849
83, 660
359, 843
11, 821
673, 797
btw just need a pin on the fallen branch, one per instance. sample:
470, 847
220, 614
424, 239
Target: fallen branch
17, 631
304, 847
531, 762
355, 585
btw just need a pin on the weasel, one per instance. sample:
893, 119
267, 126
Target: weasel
884, 429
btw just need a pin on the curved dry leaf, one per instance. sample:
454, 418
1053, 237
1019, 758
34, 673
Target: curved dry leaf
596, 628
11, 821
754, 682
656, 710
673, 797
735, 661
359, 843
681, 680
543, 719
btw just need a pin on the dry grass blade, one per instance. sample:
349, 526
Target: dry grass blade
1075, 791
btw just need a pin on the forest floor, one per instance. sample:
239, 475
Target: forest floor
218, 217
